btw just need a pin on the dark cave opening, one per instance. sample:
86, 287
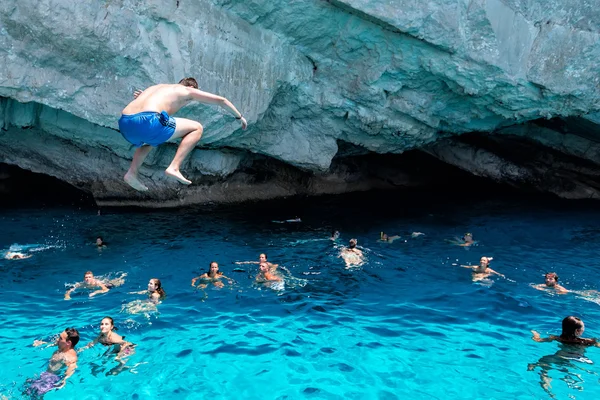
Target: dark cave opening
23, 188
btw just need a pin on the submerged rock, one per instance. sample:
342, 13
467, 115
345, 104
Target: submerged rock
322, 84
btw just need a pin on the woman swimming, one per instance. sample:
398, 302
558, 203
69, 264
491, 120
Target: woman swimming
572, 329
108, 337
482, 271
213, 275
155, 291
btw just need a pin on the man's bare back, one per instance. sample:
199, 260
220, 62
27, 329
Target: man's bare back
147, 122
157, 98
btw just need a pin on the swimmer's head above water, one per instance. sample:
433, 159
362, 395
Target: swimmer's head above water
67, 339
551, 279
88, 277
352, 243
99, 241
154, 285
335, 235
262, 257
468, 237
264, 267
213, 269
485, 261
572, 327
107, 325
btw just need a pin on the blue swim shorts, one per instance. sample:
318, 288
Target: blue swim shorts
148, 127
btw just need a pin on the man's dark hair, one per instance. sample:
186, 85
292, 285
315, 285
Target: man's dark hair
72, 336
190, 82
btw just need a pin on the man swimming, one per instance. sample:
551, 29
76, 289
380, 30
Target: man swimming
353, 256
265, 274
64, 357
146, 122
91, 282
551, 284
482, 271
13, 255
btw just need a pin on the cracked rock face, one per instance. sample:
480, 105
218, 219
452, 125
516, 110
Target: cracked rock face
505, 89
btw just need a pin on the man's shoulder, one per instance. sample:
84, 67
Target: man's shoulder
71, 356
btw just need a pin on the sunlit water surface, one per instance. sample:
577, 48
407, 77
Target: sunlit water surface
409, 323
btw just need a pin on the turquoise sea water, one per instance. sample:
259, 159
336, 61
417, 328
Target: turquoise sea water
407, 324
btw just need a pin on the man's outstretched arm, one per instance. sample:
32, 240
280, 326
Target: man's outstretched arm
209, 98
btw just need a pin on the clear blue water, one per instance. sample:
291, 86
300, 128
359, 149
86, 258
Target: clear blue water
408, 323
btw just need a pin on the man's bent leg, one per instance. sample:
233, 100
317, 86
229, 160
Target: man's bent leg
131, 177
191, 132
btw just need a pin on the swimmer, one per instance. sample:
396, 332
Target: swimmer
13, 255
465, 241
100, 242
384, 237
265, 273
551, 284
335, 235
146, 122
416, 234
213, 275
91, 282
155, 291
108, 337
482, 271
63, 358
572, 329
261, 258
353, 256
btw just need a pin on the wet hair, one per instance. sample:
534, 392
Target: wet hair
88, 273
210, 265
352, 243
263, 254
552, 275
72, 336
571, 331
571, 327
159, 289
112, 322
266, 264
189, 82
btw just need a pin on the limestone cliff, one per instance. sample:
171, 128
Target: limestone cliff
505, 89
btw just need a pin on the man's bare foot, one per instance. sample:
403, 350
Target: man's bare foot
173, 173
134, 182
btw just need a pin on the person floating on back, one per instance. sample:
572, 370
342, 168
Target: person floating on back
147, 122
